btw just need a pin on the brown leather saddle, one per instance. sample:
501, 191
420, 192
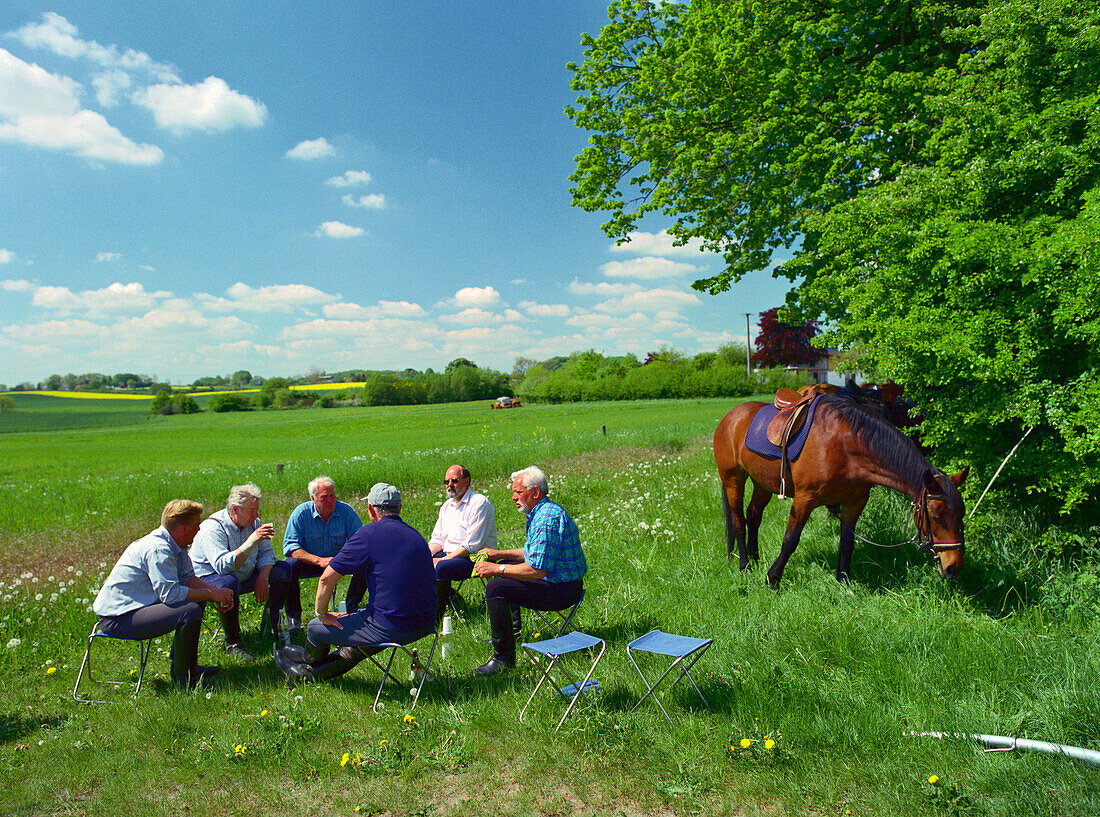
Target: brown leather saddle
792, 408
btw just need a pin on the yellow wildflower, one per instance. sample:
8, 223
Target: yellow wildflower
51, 670
745, 743
410, 719
769, 743
383, 742
934, 779
263, 713
344, 760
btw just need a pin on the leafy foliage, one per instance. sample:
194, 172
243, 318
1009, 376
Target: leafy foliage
935, 166
783, 344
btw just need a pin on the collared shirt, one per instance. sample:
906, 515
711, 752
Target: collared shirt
212, 550
469, 522
400, 576
152, 570
307, 530
554, 543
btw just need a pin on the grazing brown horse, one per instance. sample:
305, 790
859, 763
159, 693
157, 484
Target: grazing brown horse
847, 451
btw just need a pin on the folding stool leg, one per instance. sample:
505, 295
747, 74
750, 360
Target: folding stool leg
144, 647
651, 689
578, 688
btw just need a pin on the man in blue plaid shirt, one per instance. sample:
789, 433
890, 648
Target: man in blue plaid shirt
544, 574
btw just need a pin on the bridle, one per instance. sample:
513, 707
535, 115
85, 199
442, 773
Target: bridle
923, 536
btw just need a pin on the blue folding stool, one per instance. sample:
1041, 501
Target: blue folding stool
558, 620
414, 660
555, 648
144, 645
679, 647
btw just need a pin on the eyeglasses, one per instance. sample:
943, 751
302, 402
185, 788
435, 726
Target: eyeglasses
452, 481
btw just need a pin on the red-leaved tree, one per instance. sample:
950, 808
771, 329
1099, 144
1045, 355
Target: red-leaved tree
780, 344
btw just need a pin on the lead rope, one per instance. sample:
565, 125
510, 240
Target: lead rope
998, 473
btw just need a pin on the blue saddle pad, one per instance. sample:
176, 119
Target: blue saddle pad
757, 439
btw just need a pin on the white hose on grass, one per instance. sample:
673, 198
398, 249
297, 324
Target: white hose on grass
1000, 743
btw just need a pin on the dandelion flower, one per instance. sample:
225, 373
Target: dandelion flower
769, 743
745, 743
263, 713
934, 779
344, 760
383, 742
15, 642
410, 719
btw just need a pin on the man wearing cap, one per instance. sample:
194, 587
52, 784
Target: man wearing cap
467, 523
400, 595
315, 532
544, 574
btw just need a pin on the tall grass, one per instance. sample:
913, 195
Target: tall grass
837, 675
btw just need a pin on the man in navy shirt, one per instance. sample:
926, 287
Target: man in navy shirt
315, 533
401, 598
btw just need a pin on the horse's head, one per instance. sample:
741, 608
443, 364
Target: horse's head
938, 513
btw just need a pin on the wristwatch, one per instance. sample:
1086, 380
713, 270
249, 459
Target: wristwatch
502, 569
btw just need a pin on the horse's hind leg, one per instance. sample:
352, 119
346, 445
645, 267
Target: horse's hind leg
761, 496
800, 512
733, 501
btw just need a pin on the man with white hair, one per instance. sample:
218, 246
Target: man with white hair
467, 524
233, 550
544, 574
315, 532
400, 606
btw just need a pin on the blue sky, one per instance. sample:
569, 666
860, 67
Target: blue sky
191, 189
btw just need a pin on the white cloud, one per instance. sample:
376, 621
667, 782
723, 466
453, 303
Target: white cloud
650, 300
210, 105
544, 310
383, 309
372, 201
602, 288
6, 256
647, 268
337, 229
311, 149
100, 257
42, 110
58, 35
276, 298
518, 281
114, 298
476, 297
350, 178
19, 285
657, 244
474, 316
109, 87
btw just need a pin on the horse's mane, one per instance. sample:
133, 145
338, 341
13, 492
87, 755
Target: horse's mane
883, 441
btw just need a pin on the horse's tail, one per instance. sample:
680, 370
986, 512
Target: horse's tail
728, 518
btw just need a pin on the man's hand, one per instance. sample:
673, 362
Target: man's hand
491, 554
262, 587
332, 619
487, 569
222, 598
265, 531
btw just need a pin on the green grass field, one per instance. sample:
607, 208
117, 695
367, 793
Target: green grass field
836, 675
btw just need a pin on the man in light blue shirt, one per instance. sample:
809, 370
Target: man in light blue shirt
233, 550
315, 532
153, 590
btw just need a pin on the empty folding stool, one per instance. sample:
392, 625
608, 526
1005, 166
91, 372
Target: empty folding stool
553, 649
414, 660
684, 650
144, 645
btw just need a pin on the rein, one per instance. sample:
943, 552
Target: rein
922, 536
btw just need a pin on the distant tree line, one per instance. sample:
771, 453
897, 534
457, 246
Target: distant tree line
664, 374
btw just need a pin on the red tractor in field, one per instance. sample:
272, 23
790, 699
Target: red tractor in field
505, 402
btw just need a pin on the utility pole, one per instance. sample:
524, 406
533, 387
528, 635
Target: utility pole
748, 347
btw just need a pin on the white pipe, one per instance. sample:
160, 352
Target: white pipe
1001, 743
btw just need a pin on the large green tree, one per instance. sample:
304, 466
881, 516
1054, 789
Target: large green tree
933, 168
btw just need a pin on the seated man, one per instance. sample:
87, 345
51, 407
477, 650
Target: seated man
315, 533
152, 590
233, 550
545, 574
467, 523
400, 605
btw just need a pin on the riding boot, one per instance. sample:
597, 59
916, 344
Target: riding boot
442, 599
185, 669
309, 654
337, 664
503, 639
273, 618
231, 625
517, 621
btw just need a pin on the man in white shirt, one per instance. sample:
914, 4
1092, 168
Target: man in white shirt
467, 523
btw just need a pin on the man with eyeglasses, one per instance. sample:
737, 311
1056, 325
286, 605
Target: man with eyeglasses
467, 523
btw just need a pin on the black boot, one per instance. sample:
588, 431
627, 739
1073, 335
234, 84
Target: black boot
309, 654
503, 639
338, 663
185, 670
442, 599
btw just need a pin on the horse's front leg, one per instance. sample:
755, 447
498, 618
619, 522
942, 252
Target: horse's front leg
849, 515
800, 512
